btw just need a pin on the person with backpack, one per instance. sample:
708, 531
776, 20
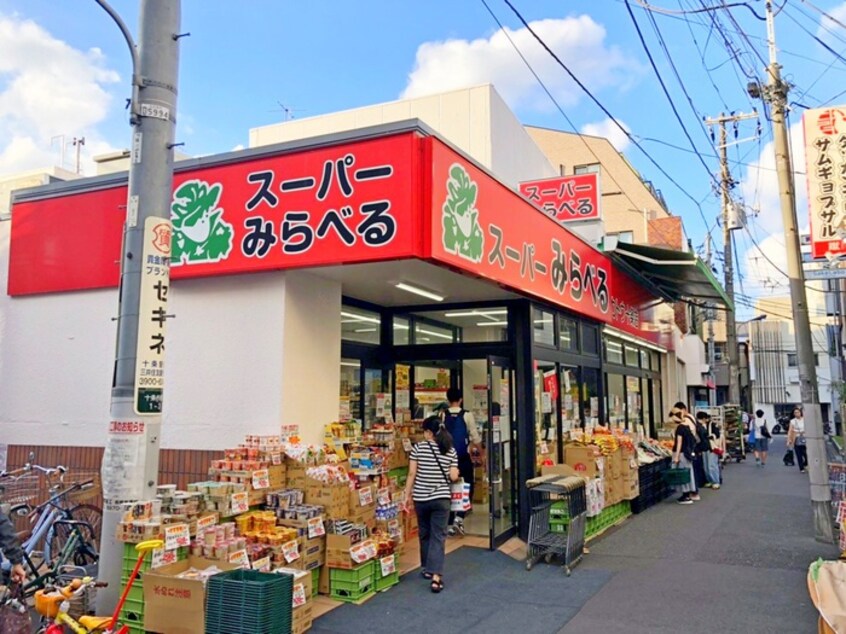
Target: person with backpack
762, 438
465, 437
796, 439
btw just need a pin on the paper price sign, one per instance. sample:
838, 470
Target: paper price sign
240, 558
299, 595
291, 551
383, 496
315, 527
359, 553
389, 565
406, 444
162, 557
240, 502
206, 522
394, 529
261, 479
276, 458
177, 536
262, 565
365, 496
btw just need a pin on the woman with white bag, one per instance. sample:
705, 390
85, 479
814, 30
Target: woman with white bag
432, 468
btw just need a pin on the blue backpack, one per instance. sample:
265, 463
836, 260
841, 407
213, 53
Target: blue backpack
457, 428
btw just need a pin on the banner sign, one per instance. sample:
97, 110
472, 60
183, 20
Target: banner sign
484, 228
350, 203
825, 161
566, 198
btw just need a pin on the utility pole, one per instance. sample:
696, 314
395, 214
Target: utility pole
775, 93
131, 458
78, 143
712, 353
726, 185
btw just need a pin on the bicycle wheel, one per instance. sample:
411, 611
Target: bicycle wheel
70, 545
91, 515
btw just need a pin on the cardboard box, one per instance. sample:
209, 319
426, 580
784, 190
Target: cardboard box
173, 605
613, 491
301, 578
302, 619
614, 463
334, 498
339, 549
586, 460
323, 581
480, 492
631, 488
561, 470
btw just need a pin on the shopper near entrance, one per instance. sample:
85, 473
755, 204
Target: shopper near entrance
11, 548
710, 476
432, 468
796, 439
684, 450
462, 427
762, 438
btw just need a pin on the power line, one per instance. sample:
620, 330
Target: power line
605, 110
817, 39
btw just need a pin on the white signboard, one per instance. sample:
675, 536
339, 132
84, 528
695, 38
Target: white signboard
152, 316
825, 161
825, 274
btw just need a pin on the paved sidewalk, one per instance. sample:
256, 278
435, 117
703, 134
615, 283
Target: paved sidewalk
734, 562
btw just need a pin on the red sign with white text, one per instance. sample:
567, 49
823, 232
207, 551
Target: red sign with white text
331, 205
566, 198
484, 228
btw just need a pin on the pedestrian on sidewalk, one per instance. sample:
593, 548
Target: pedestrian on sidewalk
796, 439
762, 438
684, 451
710, 463
461, 425
432, 468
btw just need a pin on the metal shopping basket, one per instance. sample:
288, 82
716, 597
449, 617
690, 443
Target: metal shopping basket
557, 522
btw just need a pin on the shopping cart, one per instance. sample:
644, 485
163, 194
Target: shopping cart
557, 522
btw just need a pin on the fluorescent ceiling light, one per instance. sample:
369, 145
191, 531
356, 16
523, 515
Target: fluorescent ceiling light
477, 313
356, 317
492, 323
434, 334
351, 364
365, 330
545, 320
410, 288
400, 326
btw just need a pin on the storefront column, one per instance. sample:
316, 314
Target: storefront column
311, 353
524, 413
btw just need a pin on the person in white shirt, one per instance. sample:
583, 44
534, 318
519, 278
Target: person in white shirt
796, 439
762, 438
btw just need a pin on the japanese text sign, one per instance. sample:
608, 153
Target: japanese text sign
825, 160
566, 198
484, 228
176, 536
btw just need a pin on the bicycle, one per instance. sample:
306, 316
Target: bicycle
54, 606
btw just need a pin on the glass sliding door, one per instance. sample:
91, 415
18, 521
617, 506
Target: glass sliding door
501, 443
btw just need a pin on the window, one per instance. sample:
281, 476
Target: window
429, 333
568, 335
401, 329
632, 356
625, 237
590, 168
590, 339
543, 327
644, 360
613, 351
793, 360
360, 325
719, 352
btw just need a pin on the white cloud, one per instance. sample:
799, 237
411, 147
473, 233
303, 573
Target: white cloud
609, 130
47, 89
829, 31
578, 41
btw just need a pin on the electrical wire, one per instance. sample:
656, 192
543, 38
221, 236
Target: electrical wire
817, 39
824, 14
655, 9
605, 110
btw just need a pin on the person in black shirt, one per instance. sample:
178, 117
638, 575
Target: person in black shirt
684, 452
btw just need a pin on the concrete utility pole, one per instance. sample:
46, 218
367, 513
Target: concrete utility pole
727, 183
712, 352
131, 459
775, 93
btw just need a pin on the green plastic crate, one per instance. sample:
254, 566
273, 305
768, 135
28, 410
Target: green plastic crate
387, 582
349, 592
315, 582
364, 572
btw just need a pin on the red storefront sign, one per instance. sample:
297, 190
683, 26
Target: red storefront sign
825, 142
566, 198
484, 228
333, 205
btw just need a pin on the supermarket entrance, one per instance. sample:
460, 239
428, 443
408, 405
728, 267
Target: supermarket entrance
487, 388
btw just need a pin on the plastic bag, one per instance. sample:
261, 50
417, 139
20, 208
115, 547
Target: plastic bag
14, 616
460, 492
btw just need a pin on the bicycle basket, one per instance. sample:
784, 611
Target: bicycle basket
18, 490
92, 487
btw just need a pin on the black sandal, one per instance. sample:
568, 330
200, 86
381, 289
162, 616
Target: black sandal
437, 585
426, 575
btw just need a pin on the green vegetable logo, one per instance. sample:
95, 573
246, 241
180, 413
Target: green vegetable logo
462, 234
200, 235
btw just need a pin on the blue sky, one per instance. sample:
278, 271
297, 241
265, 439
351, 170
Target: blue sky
64, 70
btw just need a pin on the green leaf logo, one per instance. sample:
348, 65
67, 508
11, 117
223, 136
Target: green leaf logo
200, 235
463, 235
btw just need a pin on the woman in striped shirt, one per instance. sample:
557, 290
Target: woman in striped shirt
433, 466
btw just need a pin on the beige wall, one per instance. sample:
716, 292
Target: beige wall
32, 178
476, 120
627, 204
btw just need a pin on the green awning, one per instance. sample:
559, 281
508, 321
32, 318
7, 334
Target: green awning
675, 275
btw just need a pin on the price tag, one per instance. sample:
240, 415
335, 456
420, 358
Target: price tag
383, 496
240, 502
240, 558
291, 551
162, 557
359, 553
406, 444
389, 565
394, 528
370, 549
261, 479
177, 536
206, 522
315, 527
262, 565
299, 595
276, 458
365, 496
